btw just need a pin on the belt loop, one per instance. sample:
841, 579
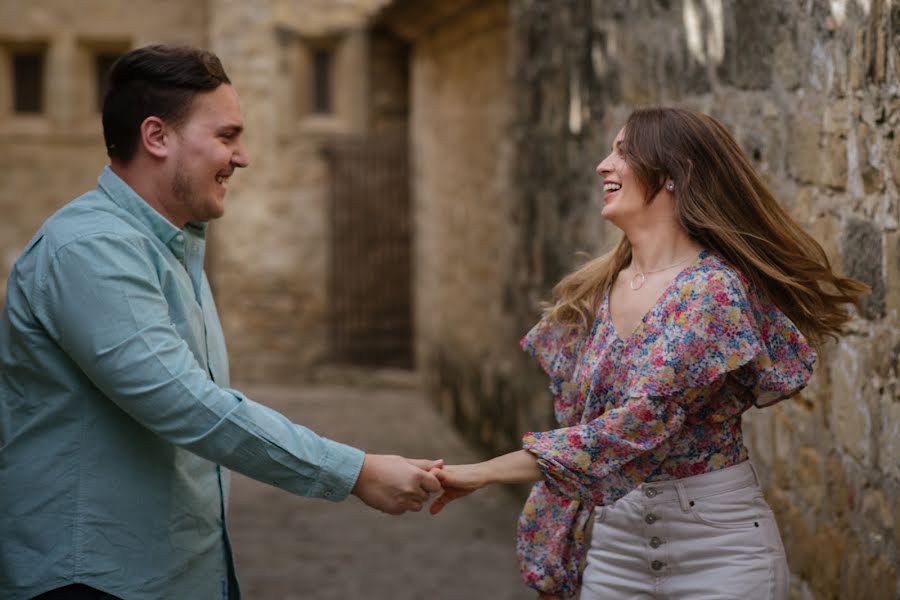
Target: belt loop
682, 496
755, 474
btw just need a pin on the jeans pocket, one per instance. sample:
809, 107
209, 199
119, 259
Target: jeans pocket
739, 509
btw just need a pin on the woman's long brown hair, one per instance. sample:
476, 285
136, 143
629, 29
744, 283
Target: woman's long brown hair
725, 207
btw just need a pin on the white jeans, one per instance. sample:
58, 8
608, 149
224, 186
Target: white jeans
707, 537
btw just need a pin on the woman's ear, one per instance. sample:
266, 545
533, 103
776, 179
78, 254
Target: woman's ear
155, 137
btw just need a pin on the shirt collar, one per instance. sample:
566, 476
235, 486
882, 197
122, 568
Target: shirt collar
126, 198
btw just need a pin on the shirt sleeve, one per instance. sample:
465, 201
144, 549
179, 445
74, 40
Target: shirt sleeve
600, 461
101, 300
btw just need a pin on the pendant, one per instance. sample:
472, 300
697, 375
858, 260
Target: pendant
637, 282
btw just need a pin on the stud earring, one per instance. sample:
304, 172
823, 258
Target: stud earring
670, 186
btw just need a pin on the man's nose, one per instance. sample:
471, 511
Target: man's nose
240, 157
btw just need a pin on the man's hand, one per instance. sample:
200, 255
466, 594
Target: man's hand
458, 481
394, 484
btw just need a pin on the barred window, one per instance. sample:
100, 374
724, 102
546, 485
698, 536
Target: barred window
28, 81
322, 75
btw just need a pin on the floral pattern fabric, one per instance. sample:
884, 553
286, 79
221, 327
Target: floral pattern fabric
663, 403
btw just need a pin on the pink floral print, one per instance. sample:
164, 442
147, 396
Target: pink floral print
663, 403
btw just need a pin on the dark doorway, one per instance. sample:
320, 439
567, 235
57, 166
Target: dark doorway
371, 312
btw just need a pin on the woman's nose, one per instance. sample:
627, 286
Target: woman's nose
605, 166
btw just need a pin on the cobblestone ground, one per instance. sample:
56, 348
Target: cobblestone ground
290, 548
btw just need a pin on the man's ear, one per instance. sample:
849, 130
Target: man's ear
155, 137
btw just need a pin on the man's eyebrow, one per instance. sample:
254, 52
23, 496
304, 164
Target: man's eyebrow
232, 129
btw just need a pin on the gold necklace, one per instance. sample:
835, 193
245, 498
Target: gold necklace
637, 282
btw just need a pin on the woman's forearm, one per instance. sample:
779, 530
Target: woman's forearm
520, 466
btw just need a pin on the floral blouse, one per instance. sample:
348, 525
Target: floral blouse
663, 403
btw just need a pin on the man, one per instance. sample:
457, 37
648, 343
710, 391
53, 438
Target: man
115, 411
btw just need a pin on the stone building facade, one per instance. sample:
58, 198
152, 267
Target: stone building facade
270, 260
302, 70
51, 56
512, 106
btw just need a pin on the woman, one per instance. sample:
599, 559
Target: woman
711, 303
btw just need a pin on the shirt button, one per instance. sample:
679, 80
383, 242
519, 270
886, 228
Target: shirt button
651, 492
657, 565
651, 519
327, 494
179, 238
655, 542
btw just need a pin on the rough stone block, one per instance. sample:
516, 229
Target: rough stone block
795, 532
785, 443
840, 498
826, 230
802, 205
875, 511
758, 433
828, 550
809, 481
863, 259
787, 68
751, 32
839, 116
894, 156
857, 71
897, 523
834, 168
867, 152
889, 436
805, 153
868, 577
851, 419
892, 270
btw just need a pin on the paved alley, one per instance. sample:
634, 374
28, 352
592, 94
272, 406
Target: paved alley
289, 548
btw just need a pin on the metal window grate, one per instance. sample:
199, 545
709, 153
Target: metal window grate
370, 288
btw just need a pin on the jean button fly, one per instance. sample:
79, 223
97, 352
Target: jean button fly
657, 565
655, 542
651, 519
651, 492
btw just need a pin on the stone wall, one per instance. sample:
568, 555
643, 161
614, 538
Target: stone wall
270, 255
810, 90
268, 258
461, 156
55, 155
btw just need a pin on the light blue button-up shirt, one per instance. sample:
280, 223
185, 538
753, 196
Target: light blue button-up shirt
115, 412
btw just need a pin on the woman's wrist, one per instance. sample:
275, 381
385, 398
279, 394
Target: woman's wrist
516, 467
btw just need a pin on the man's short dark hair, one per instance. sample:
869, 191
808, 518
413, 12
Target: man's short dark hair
156, 81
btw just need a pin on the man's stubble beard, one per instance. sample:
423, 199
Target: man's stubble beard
183, 192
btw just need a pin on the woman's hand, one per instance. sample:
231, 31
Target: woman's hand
457, 481
520, 466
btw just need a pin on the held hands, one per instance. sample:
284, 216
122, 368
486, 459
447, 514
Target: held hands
457, 481
394, 485
520, 466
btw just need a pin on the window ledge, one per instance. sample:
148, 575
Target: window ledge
41, 128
